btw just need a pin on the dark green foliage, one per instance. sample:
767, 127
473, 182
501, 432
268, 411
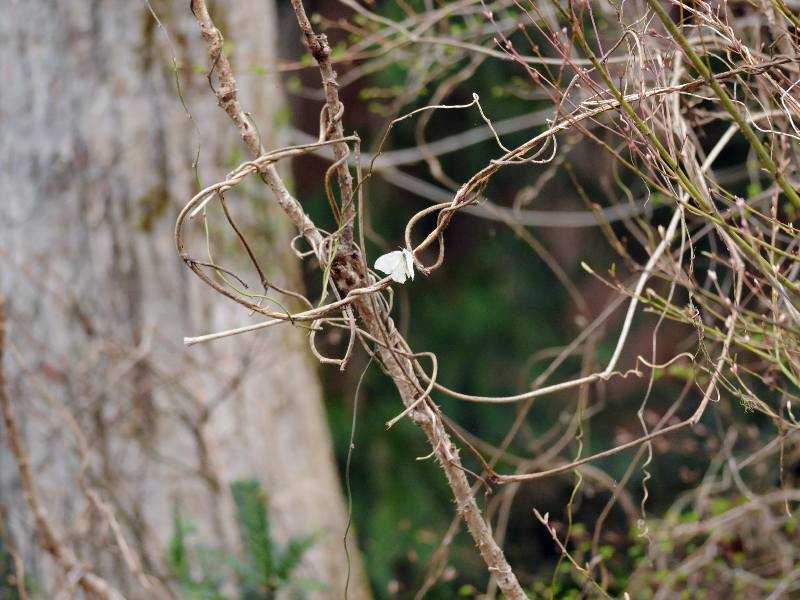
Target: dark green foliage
263, 567
256, 568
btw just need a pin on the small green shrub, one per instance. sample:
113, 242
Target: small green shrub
261, 569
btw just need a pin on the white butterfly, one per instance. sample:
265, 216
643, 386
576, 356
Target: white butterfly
399, 265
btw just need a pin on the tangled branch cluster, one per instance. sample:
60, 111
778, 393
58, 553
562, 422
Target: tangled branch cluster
649, 89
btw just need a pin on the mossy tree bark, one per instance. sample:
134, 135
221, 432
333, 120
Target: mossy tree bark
95, 162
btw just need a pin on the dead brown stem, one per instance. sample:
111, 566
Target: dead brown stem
94, 585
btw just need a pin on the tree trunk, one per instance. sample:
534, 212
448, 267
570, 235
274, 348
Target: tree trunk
95, 162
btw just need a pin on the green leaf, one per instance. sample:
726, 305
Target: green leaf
606, 552
257, 569
467, 591
291, 556
177, 553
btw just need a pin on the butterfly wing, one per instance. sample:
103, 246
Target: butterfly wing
399, 273
387, 262
399, 265
409, 263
